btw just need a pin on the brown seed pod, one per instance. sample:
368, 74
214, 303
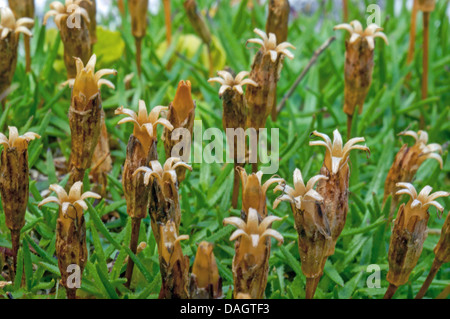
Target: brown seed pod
197, 21
358, 63
277, 23
314, 234
138, 10
14, 182
70, 230
9, 39
164, 196
234, 116
101, 160
426, 5
91, 7
265, 72
409, 233
334, 190
251, 261
73, 23
181, 115
254, 192
406, 164
205, 280
85, 116
174, 266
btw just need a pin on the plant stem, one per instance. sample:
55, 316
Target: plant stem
444, 294
27, 53
168, 21
426, 23
412, 34
349, 126
311, 62
15, 240
311, 285
390, 291
345, 9
138, 42
433, 271
71, 293
135, 226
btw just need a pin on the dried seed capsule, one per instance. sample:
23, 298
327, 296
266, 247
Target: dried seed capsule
409, 233
181, 115
314, 234
73, 23
174, 266
426, 5
234, 116
265, 72
254, 192
91, 8
334, 190
251, 261
164, 196
85, 115
205, 280
70, 230
407, 162
14, 182
358, 63
277, 23
9, 39
197, 21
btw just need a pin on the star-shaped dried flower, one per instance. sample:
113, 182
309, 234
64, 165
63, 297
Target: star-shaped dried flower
336, 155
269, 45
428, 150
70, 10
358, 34
15, 140
227, 82
253, 233
300, 193
75, 199
9, 24
144, 125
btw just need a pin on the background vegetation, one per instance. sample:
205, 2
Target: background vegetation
37, 103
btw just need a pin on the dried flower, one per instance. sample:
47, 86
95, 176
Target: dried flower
314, 234
358, 65
72, 21
277, 23
70, 230
141, 149
251, 261
234, 116
265, 72
164, 196
14, 182
174, 266
85, 115
426, 5
138, 11
181, 115
145, 125
334, 190
9, 39
254, 192
409, 233
407, 162
205, 280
